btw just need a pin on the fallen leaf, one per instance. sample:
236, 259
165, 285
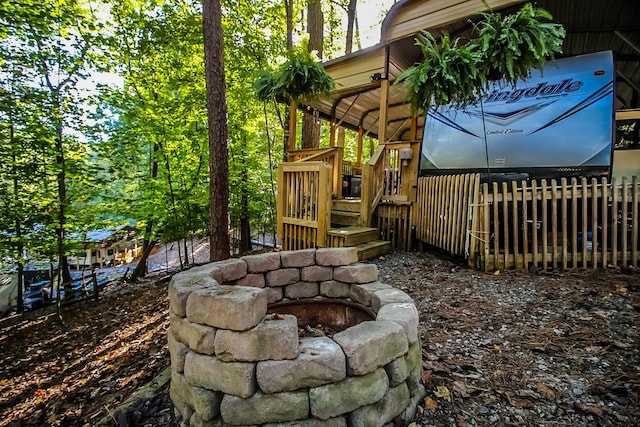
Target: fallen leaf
276, 316
600, 313
497, 272
427, 379
589, 409
460, 388
443, 393
594, 349
621, 288
436, 366
496, 347
621, 345
521, 403
546, 392
430, 404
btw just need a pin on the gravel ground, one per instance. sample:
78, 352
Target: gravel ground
523, 348
533, 348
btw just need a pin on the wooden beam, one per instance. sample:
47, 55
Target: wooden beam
382, 122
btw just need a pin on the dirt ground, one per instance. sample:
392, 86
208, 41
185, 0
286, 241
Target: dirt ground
513, 348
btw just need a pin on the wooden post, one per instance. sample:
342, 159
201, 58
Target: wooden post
338, 173
384, 101
360, 142
291, 143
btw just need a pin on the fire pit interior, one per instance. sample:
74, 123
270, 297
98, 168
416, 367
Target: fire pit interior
276, 338
326, 315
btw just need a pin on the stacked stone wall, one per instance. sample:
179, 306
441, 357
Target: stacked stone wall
236, 363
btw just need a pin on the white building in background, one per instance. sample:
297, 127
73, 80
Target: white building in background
111, 247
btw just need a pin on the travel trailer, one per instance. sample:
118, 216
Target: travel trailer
559, 122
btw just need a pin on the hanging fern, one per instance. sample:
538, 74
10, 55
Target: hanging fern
510, 46
448, 74
505, 47
299, 78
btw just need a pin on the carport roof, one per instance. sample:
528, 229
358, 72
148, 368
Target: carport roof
591, 26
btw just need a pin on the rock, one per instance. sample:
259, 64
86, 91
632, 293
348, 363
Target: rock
231, 269
335, 399
265, 408
397, 371
296, 259
363, 293
336, 256
385, 410
283, 277
198, 337
370, 345
262, 262
237, 378
206, 403
356, 273
316, 273
387, 296
253, 280
320, 361
405, 315
335, 289
177, 352
227, 307
181, 286
302, 290
270, 339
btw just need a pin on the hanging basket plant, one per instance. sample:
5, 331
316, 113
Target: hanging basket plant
448, 74
300, 77
510, 46
504, 47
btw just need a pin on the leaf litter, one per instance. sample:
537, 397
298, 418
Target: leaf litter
523, 347
514, 348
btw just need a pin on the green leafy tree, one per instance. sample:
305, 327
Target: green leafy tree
52, 45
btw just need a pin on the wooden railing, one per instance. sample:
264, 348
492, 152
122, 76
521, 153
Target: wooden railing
304, 204
552, 224
389, 176
331, 155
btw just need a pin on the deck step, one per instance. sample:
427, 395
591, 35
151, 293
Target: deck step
346, 205
352, 236
345, 218
373, 249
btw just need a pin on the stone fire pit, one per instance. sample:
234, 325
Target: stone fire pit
305, 338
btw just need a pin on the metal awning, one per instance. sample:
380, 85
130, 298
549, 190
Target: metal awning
591, 26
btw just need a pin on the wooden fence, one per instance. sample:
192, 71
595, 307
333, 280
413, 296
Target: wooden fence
557, 224
304, 204
443, 216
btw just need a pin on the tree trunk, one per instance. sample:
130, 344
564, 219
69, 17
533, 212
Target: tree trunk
18, 228
351, 18
63, 265
217, 114
288, 5
141, 268
245, 225
315, 23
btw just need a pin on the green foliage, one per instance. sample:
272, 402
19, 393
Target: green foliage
300, 77
448, 74
511, 46
505, 47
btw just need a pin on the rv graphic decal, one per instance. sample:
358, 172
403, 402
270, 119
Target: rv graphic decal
559, 119
541, 90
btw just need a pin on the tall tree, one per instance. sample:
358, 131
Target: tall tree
53, 44
351, 21
315, 24
217, 115
156, 151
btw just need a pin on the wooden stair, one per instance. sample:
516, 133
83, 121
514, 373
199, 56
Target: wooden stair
346, 231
